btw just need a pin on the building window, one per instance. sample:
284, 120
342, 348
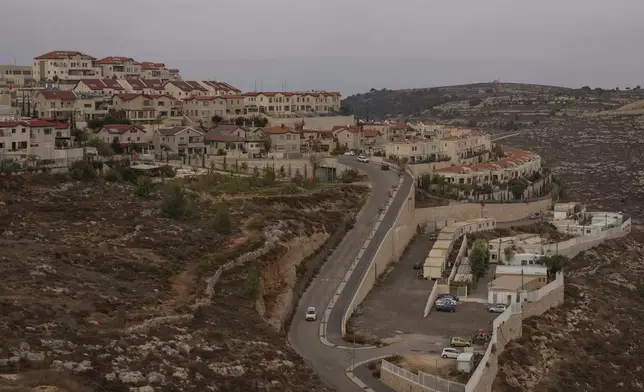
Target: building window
13, 130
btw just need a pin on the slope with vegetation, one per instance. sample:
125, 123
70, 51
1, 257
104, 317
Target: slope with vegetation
131, 284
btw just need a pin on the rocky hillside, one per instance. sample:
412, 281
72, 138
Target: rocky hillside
107, 288
594, 341
384, 104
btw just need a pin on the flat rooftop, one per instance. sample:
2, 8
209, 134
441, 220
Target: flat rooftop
510, 283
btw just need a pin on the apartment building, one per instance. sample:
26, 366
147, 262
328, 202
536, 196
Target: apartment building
235, 104
14, 139
322, 139
220, 88
54, 103
232, 138
517, 163
201, 108
348, 137
291, 102
104, 86
114, 67
47, 135
130, 137
143, 86
15, 76
283, 139
65, 65
147, 108
179, 140
151, 70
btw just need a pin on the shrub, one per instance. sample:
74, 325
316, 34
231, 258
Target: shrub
143, 186
82, 170
111, 176
350, 175
251, 285
175, 203
222, 223
167, 171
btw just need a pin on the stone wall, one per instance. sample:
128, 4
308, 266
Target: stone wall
550, 300
465, 211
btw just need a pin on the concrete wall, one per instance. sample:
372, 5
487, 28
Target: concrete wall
464, 211
398, 383
390, 251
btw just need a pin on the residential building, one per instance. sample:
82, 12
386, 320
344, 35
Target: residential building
130, 137
181, 89
47, 135
283, 139
91, 106
55, 103
143, 86
234, 139
201, 109
151, 70
179, 140
114, 67
314, 140
292, 102
147, 108
516, 163
349, 137
417, 150
235, 104
220, 88
524, 271
14, 139
372, 139
16, 76
104, 86
511, 289
65, 65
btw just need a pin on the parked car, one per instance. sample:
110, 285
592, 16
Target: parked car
460, 342
497, 308
384, 167
349, 153
446, 300
445, 306
450, 353
453, 297
311, 315
363, 159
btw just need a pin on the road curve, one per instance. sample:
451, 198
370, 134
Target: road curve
330, 362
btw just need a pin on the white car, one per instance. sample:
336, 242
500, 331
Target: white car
310, 314
497, 308
349, 153
363, 159
450, 353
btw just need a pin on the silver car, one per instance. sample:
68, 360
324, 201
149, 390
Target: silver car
450, 353
497, 308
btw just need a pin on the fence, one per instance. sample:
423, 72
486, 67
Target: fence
403, 380
309, 268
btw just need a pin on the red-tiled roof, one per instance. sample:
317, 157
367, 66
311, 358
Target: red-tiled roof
151, 65
102, 84
38, 123
370, 133
58, 94
194, 84
131, 96
62, 54
351, 128
277, 130
112, 83
204, 98
12, 124
114, 60
516, 157
141, 84
120, 128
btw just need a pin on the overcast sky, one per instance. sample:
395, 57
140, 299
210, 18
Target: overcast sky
345, 45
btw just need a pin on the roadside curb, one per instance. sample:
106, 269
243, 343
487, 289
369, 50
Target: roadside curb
352, 267
349, 372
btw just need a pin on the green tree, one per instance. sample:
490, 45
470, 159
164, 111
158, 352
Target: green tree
555, 263
517, 186
222, 223
102, 148
267, 144
144, 186
217, 119
175, 203
116, 147
479, 258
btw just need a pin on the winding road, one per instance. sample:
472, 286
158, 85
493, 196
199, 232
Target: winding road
327, 353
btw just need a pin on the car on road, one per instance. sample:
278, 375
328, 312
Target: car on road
384, 167
363, 159
349, 153
450, 353
453, 297
497, 308
460, 342
446, 306
311, 315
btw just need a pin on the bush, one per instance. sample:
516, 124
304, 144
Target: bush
350, 175
222, 223
143, 186
82, 170
111, 176
176, 204
251, 285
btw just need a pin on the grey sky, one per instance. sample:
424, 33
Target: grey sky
345, 45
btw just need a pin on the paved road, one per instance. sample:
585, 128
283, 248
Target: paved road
304, 337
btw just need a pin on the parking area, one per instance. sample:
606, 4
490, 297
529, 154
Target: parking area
469, 317
396, 304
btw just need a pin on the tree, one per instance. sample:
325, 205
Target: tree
555, 263
55, 79
116, 146
509, 253
316, 146
221, 222
103, 149
517, 186
479, 259
175, 203
267, 144
113, 117
217, 119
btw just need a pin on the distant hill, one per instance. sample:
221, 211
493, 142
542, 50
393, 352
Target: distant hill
385, 103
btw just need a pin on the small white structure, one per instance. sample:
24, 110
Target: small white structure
465, 362
508, 289
564, 210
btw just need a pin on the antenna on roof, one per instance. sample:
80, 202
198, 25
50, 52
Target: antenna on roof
285, 85
255, 85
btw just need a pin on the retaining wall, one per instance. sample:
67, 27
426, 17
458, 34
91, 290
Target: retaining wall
507, 212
